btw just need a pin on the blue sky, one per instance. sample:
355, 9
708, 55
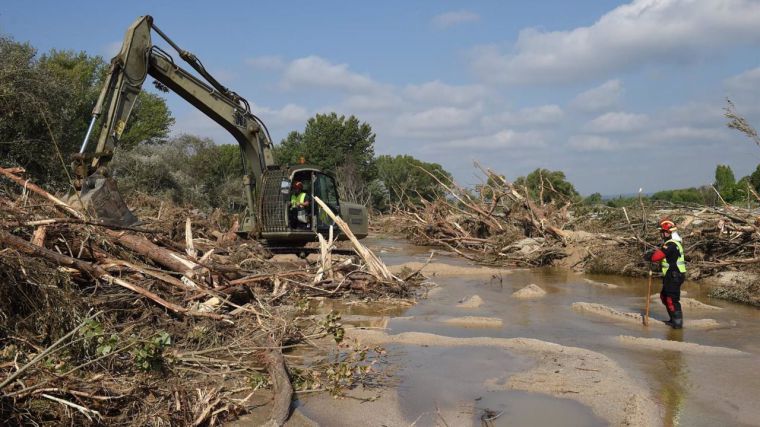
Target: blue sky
618, 95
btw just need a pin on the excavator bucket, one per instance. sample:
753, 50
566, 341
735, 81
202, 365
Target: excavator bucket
101, 199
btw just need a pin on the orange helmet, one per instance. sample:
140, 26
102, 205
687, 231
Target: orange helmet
298, 185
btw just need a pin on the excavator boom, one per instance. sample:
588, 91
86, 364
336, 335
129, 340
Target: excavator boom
266, 186
138, 59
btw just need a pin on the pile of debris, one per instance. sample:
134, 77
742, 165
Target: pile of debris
503, 225
175, 322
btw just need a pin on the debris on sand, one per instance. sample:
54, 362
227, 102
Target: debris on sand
104, 325
474, 301
506, 224
684, 347
529, 292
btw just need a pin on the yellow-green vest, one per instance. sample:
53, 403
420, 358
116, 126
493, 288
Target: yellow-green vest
681, 263
296, 199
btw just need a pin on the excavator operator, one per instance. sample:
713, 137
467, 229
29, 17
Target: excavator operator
299, 204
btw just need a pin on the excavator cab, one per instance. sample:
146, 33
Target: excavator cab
276, 220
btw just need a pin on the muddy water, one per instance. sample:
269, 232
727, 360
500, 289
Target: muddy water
691, 389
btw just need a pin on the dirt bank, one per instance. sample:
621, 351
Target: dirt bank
567, 372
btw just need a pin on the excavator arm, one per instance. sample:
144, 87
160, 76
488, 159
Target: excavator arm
137, 59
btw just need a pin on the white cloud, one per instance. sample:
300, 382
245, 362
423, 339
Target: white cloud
641, 32
451, 19
591, 143
440, 117
382, 101
439, 92
290, 114
266, 62
531, 116
506, 138
602, 97
616, 122
748, 81
316, 72
689, 133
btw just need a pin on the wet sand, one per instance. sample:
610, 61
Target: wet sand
561, 371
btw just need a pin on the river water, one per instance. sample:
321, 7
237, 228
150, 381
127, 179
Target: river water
691, 389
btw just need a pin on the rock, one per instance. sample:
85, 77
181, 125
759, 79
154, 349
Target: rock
474, 301
530, 291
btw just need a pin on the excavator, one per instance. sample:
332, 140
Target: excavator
267, 186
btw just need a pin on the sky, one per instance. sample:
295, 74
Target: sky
619, 95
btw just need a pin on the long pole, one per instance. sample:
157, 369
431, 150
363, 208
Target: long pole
649, 293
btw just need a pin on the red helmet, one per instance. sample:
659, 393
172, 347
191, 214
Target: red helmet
298, 185
667, 225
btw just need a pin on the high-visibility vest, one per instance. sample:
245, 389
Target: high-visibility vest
681, 263
296, 199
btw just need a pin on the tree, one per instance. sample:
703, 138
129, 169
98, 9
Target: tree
545, 186
330, 141
45, 107
593, 199
754, 179
186, 169
725, 182
408, 180
149, 123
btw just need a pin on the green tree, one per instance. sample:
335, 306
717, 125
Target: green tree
546, 186
408, 181
329, 141
45, 107
593, 199
187, 169
754, 179
149, 123
725, 182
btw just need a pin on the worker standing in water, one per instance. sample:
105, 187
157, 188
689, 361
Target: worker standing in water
673, 267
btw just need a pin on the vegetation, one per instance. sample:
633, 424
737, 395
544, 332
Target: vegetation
546, 186
408, 181
45, 107
187, 169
